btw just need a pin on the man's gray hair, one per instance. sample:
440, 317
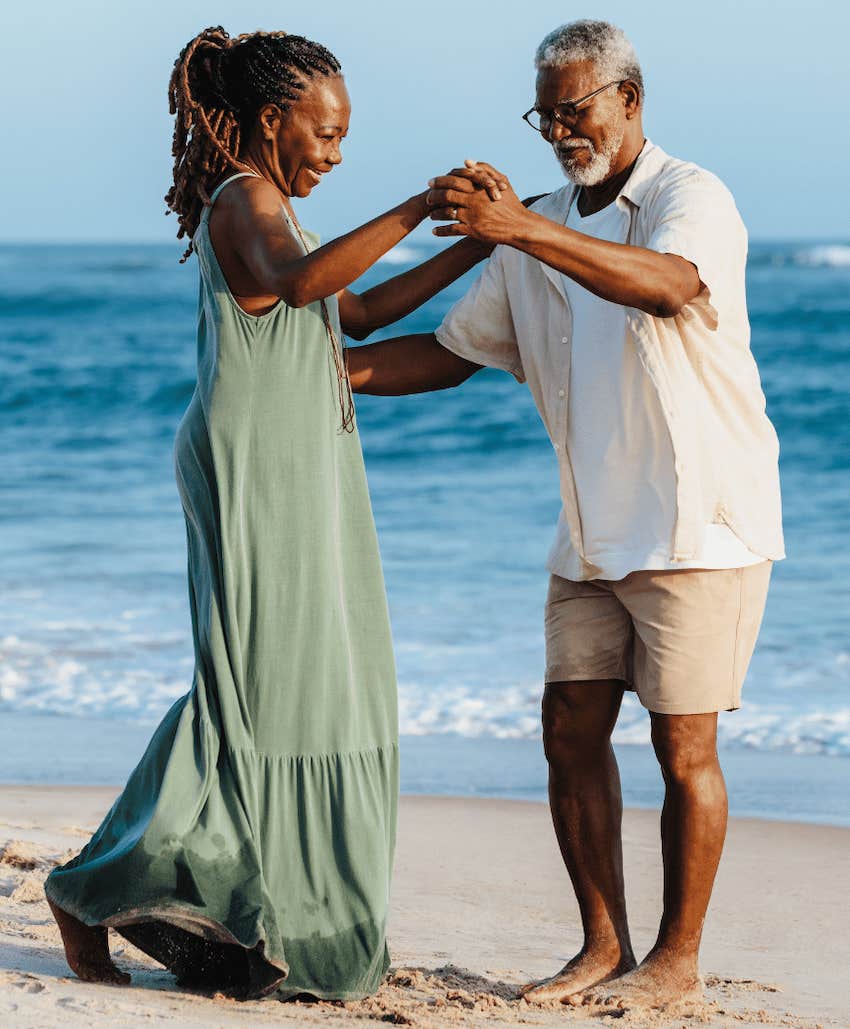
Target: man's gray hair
598, 41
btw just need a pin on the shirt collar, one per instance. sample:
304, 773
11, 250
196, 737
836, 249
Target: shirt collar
644, 172
556, 205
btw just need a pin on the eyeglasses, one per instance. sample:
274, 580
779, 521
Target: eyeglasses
566, 112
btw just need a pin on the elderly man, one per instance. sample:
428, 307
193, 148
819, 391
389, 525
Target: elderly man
619, 299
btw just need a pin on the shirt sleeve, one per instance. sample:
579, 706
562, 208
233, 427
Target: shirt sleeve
695, 217
480, 326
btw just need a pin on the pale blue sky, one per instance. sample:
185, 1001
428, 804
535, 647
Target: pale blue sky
754, 91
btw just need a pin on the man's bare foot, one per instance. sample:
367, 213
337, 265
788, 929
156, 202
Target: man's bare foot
87, 949
658, 982
587, 969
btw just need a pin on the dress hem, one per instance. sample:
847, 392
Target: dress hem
182, 918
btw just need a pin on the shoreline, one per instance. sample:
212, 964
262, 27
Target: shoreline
481, 903
42, 749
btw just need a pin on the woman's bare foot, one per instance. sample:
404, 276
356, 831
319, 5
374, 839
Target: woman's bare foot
659, 981
87, 949
587, 969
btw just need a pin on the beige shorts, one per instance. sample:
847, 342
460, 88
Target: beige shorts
681, 639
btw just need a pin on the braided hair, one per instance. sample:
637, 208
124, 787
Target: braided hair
217, 88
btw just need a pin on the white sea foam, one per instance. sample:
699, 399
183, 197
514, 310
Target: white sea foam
401, 255
515, 714
85, 678
104, 669
835, 255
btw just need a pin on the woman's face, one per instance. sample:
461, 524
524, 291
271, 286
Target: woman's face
305, 141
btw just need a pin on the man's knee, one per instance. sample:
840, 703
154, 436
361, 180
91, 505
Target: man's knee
578, 718
685, 745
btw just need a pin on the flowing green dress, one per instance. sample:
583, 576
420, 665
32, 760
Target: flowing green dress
252, 846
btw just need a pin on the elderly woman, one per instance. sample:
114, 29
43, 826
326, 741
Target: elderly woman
252, 846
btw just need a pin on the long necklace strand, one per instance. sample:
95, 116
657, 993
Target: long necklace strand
343, 382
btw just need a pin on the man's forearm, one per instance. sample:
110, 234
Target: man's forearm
660, 284
406, 364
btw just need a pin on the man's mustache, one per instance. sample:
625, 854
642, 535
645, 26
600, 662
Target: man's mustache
564, 146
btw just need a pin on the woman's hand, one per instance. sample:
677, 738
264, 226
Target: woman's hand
480, 201
479, 176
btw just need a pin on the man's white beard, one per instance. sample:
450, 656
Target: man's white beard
597, 169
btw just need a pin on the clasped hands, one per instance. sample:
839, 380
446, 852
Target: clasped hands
478, 201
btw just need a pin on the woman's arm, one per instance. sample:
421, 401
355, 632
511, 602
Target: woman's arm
252, 226
360, 314
261, 256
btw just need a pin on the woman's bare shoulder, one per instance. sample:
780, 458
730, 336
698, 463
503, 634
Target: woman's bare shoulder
249, 195
247, 211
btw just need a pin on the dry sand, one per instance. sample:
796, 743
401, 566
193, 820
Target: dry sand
481, 904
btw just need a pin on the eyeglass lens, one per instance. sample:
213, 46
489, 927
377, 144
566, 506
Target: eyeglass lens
564, 113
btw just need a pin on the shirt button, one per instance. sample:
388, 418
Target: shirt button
561, 393
564, 339
557, 446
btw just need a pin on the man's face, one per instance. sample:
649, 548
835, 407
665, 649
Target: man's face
588, 149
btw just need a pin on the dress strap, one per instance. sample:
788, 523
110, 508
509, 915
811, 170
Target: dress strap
233, 178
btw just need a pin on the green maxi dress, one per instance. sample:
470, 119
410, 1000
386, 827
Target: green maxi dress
252, 846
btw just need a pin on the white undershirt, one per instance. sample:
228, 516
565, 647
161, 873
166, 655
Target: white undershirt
618, 442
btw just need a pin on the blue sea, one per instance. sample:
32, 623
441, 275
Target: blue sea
97, 359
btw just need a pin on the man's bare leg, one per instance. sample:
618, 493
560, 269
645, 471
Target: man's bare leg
87, 949
587, 809
693, 828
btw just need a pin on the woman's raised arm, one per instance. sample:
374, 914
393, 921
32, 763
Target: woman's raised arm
251, 223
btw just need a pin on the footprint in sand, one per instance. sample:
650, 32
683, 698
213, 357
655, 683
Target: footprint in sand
27, 856
29, 984
719, 982
29, 891
21, 854
70, 1004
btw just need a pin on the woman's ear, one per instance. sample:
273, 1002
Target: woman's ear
268, 118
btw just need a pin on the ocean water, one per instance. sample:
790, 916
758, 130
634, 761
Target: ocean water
96, 367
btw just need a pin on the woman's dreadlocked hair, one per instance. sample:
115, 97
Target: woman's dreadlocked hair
216, 90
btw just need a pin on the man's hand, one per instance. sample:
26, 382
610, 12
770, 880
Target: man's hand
466, 198
477, 175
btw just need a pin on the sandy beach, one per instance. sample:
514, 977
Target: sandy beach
481, 904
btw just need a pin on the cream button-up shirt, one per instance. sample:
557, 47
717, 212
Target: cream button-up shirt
725, 452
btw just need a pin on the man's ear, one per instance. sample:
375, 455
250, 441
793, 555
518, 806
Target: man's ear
631, 96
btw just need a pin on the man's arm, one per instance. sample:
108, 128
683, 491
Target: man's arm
406, 364
660, 284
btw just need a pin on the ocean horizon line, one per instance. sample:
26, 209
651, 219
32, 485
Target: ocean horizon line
414, 238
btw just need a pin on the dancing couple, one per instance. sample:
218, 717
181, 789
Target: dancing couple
251, 849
